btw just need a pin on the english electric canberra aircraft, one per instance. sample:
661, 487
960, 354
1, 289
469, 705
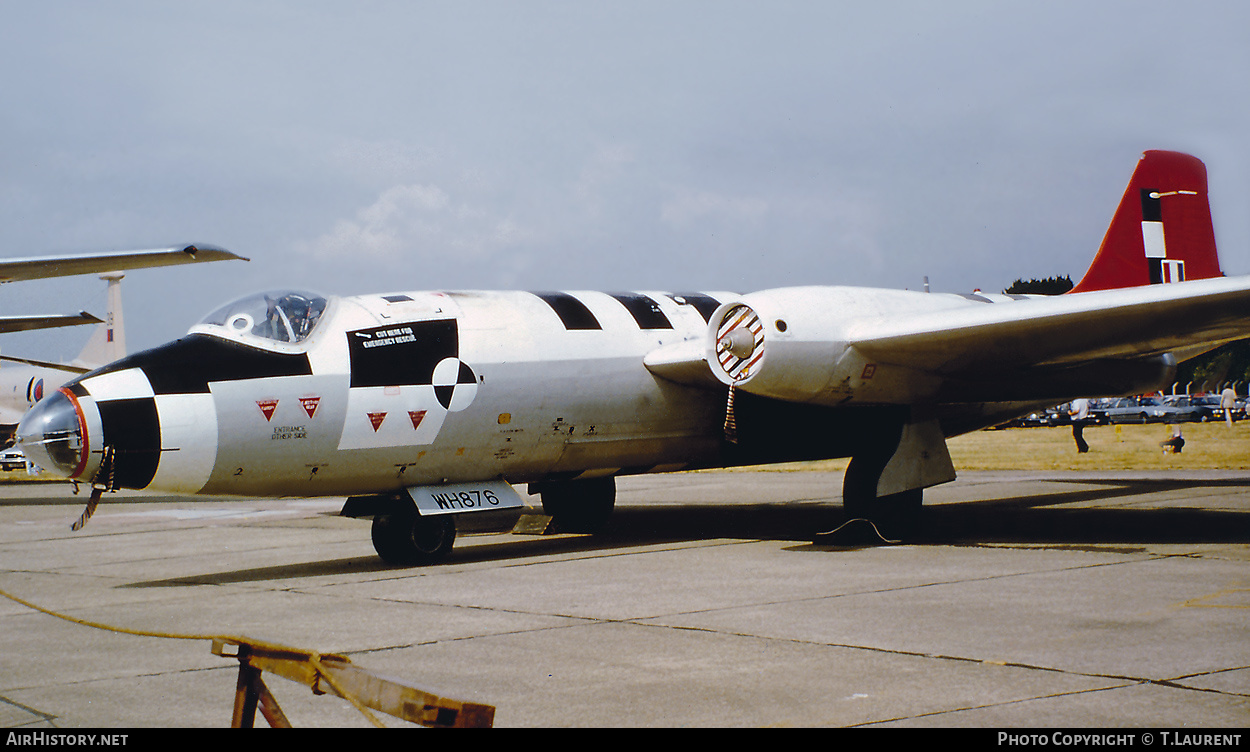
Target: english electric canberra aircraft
420, 406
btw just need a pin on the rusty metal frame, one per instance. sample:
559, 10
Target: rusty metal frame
335, 674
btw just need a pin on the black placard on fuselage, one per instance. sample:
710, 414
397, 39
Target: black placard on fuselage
401, 354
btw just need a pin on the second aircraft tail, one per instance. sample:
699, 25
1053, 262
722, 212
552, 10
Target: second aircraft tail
108, 341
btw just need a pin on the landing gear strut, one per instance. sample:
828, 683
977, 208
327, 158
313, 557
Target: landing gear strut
885, 482
579, 506
896, 515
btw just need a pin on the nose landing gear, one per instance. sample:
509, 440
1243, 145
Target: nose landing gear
406, 538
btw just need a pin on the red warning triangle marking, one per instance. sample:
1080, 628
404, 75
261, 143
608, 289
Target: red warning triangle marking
310, 404
416, 416
267, 407
376, 419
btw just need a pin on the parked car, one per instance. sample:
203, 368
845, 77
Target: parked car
1052, 416
12, 459
1058, 416
1183, 408
1098, 410
1153, 409
1208, 406
1137, 410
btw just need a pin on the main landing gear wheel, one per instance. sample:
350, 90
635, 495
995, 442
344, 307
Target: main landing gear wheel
409, 539
579, 506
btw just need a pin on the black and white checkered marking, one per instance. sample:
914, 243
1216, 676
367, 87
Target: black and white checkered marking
455, 384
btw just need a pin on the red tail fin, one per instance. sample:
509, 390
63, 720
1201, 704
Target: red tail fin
1162, 230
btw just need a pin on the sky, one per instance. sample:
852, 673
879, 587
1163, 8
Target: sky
357, 147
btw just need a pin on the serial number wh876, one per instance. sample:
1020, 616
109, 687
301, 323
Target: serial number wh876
457, 498
465, 500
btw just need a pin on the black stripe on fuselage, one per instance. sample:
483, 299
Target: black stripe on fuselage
646, 312
186, 366
573, 313
706, 305
132, 429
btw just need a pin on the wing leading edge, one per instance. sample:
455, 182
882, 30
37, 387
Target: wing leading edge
28, 323
42, 267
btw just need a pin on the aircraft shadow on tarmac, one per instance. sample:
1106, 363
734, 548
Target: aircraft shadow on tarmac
1047, 519
80, 498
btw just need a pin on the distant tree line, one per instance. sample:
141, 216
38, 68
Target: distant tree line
1229, 363
1208, 372
1048, 286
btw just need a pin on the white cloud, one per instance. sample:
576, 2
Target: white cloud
419, 222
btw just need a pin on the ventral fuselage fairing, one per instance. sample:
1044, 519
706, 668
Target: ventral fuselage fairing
423, 405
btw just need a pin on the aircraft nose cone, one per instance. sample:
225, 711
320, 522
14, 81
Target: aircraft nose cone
53, 435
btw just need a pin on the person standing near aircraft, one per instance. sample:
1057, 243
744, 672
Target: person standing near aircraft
1228, 401
1079, 410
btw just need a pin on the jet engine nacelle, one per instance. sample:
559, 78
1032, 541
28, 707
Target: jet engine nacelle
787, 344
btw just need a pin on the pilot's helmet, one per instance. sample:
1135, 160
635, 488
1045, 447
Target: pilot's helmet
300, 310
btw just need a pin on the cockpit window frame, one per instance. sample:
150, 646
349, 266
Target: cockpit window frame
237, 320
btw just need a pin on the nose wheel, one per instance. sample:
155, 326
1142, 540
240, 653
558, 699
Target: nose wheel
408, 539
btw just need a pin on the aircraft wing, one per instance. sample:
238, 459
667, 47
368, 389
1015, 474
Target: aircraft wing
45, 364
27, 323
40, 267
1057, 330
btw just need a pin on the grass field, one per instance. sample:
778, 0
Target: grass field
1208, 446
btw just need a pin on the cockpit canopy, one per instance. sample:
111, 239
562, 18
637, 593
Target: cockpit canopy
287, 316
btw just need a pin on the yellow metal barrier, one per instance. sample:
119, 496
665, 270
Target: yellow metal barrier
335, 674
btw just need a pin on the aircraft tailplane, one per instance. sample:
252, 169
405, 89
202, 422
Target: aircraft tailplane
1161, 231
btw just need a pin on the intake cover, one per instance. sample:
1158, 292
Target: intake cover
738, 348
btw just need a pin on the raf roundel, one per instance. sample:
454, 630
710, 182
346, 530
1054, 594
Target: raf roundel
455, 384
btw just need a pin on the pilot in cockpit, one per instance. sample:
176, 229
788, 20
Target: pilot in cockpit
291, 317
280, 316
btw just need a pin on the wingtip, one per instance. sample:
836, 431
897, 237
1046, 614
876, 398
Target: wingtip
195, 248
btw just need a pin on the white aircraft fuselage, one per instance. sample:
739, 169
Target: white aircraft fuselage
389, 391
